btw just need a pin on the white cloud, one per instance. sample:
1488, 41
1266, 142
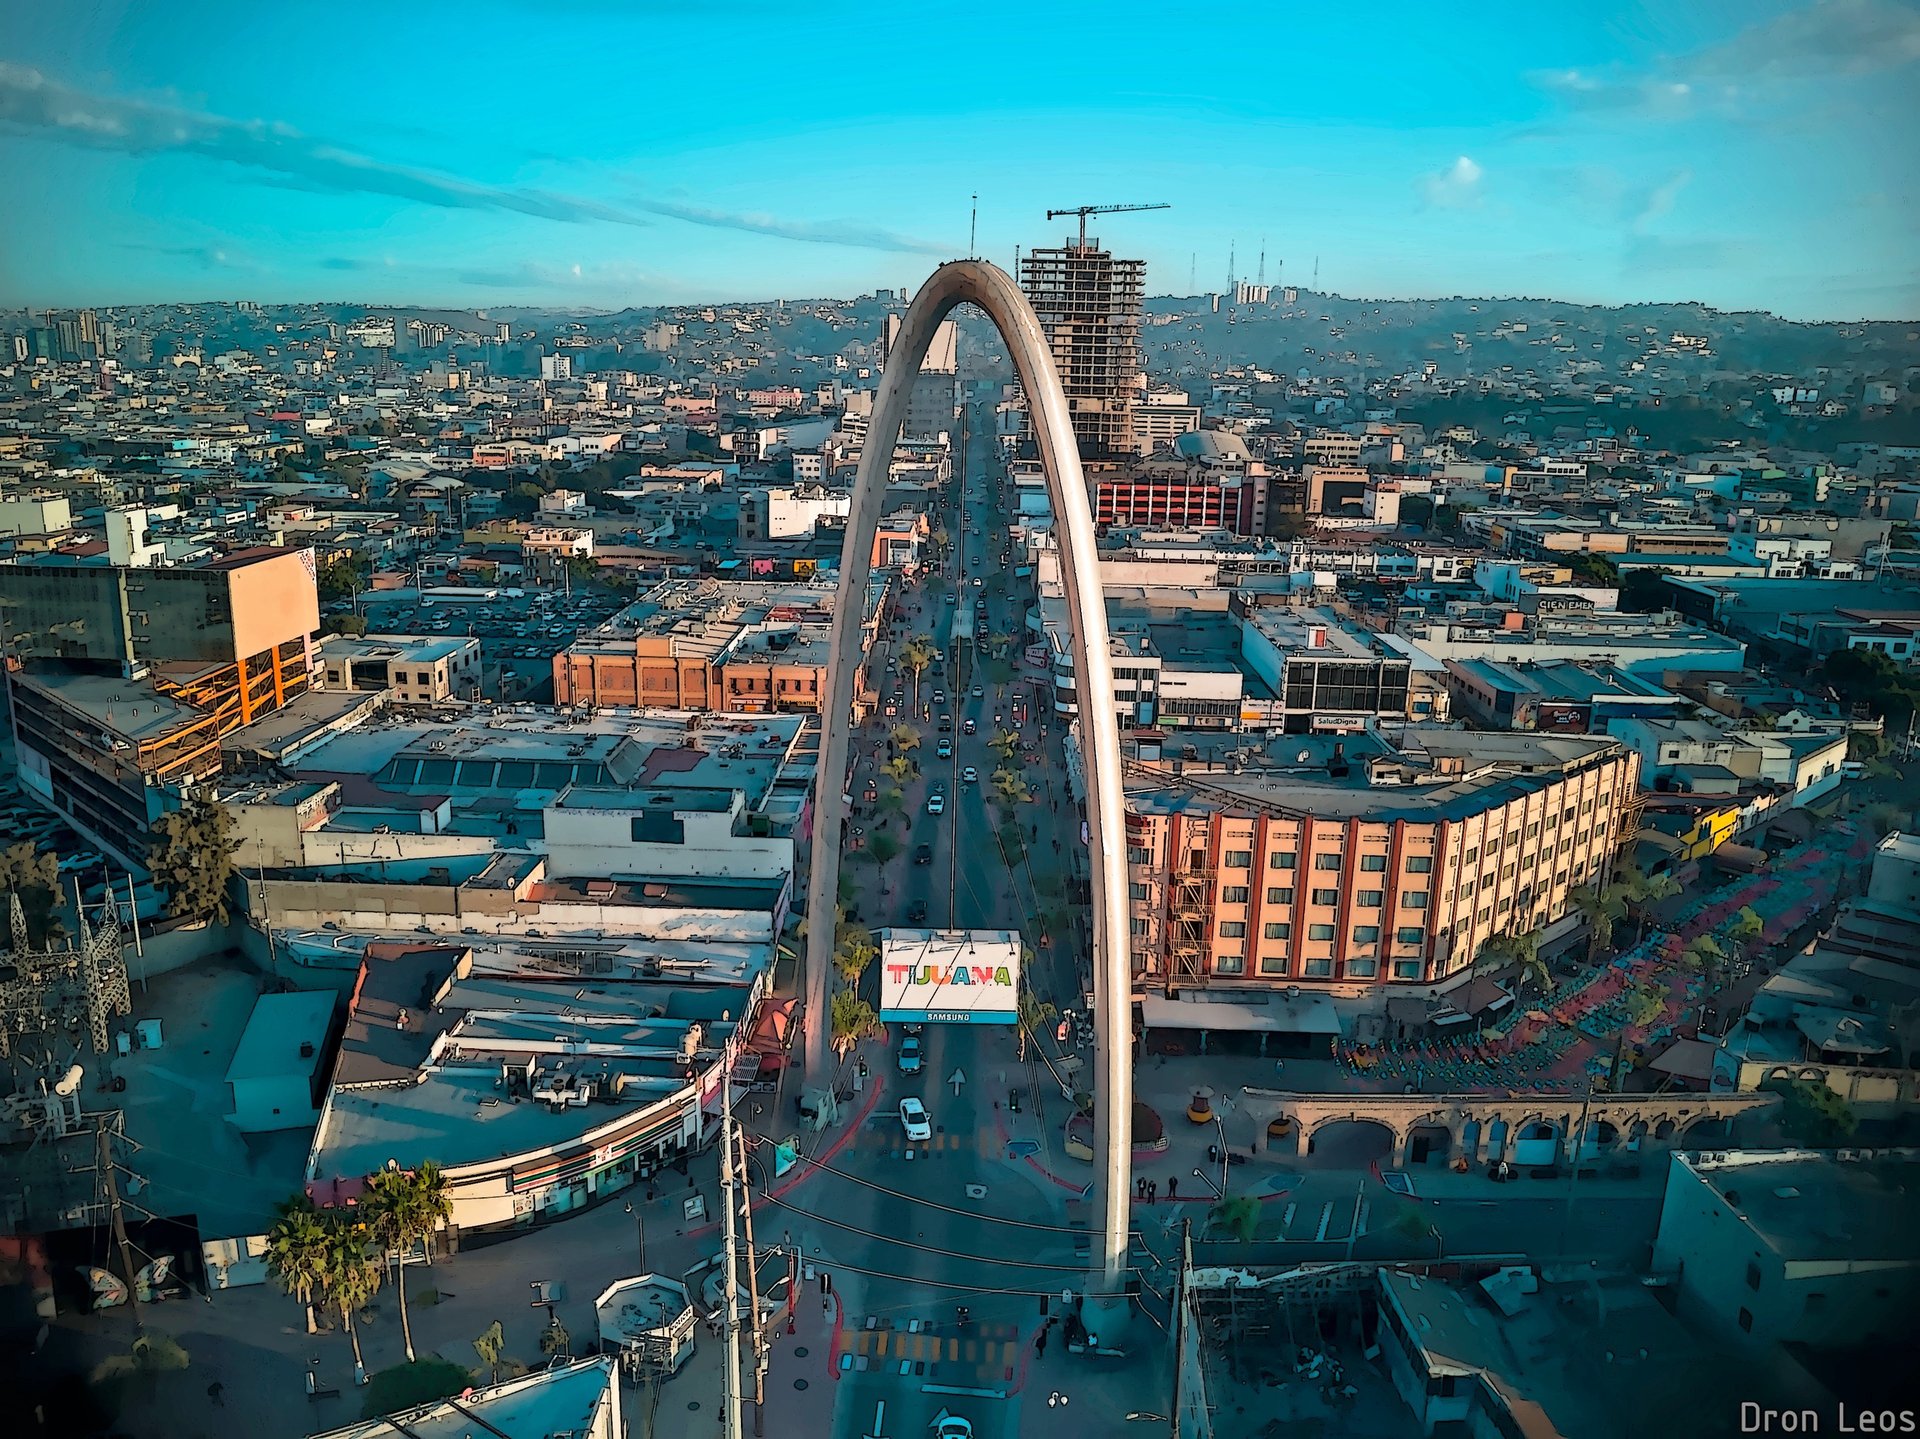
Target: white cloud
1659, 200
1454, 187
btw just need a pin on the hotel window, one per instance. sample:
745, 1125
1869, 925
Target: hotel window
1369, 898
1366, 934
1273, 964
1406, 969
1327, 862
1136, 855
1236, 859
1420, 864
1326, 896
1362, 968
1318, 969
1373, 863
1279, 894
1233, 894
1230, 964
1472, 856
1409, 934
1136, 891
1282, 859
1277, 929
1137, 925
1320, 931
1233, 929
1414, 898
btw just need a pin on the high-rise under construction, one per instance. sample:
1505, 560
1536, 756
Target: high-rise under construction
1090, 305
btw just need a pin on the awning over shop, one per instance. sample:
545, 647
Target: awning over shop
1685, 1059
1280, 1014
1740, 858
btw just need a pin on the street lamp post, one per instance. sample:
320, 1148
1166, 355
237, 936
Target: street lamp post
1353, 1229
639, 1234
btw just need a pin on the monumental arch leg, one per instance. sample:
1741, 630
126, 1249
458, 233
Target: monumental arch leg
993, 290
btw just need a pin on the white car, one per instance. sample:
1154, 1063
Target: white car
936, 804
951, 1426
969, 775
913, 1119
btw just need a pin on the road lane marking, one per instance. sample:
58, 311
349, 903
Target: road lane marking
1286, 1218
1326, 1218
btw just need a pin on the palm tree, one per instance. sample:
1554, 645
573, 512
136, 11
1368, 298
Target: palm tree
1706, 954
555, 1340
1522, 950
1602, 907
1006, 744
1747, 926
904, 738
899, 769
492, 1349
353, 1276
297, 1250
402, 1209
854, 953
1643, 892
853, 1020
1010, 788
999, 644
1033, 1012
940, 538
915, 655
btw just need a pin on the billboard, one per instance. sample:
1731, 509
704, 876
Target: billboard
965, 976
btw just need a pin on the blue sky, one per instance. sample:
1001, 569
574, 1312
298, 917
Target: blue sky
597, 153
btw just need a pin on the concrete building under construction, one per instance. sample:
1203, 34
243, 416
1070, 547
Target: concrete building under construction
1090, 305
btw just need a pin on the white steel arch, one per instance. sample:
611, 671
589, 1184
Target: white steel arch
994, 291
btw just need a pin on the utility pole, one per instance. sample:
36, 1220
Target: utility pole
103, 1162
730, 1414
1353, 1229
753, 1295
1573, 1180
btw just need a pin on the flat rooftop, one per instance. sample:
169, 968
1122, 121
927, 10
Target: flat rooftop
1297, 773
1292, 632
1571, 680
303, 721
414, 649
279, 1025
1814, 1206
131, 710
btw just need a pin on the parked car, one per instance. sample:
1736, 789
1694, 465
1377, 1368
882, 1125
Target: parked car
914, 1120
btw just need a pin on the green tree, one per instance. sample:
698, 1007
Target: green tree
1238, 1216
1602, 907
407, 1386
1747, 926
916, 655
33, 875
1705, 955
1643, 591
853, 1020
884, 846
401, 1209
1005, 744
899, 769
193, 860
1873, 682
346, 624
1010, 788
1416, 511
904, 738
353, 1276
1032, 1013
341, 578
1812, 1114
582, 569
891, 803
491, 1346
1409, 1221
297, 1248
1644, 893
854, 952
555, 1341
1520, 950
940, 538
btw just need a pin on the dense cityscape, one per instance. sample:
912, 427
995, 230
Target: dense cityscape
1034, 855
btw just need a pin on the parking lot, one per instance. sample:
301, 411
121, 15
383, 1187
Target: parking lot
519, 632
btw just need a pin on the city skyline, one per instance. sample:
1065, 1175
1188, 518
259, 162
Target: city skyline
1617, 158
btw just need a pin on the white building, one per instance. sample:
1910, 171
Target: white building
414, 669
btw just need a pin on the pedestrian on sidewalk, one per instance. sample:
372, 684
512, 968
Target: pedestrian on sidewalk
1040, 1345
1173, 1187
217, 1392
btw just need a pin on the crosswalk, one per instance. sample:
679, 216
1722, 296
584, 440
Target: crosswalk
926, 1349
886, 1137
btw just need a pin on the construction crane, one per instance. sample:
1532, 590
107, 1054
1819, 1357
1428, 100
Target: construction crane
1085, 210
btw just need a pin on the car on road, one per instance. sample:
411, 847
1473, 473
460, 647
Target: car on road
976, 582
969, 727
917, 912
969, 775
913, 1119
951, 1426
939, 697
944, 750
979, 693
911, 1055
923, 854
936, 804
